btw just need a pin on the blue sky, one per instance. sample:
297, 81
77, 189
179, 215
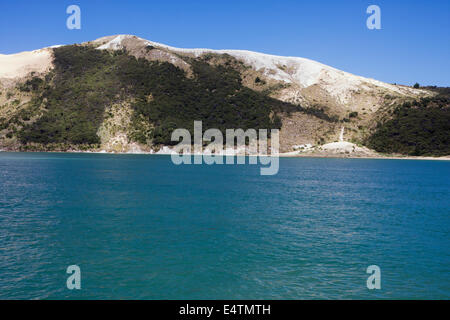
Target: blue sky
412, 46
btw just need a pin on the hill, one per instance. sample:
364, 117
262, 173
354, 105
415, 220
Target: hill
123, 93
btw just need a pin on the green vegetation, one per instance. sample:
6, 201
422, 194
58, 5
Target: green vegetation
258, 80
85, 81
31, 85
421, 128
216, 96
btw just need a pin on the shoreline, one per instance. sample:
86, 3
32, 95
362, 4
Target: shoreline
381, 157
280, 155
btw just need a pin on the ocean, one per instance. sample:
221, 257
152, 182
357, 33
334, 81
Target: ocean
140, 227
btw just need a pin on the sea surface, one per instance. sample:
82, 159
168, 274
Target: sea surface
140, 227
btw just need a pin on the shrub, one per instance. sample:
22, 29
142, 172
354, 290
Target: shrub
416, 128
86, 80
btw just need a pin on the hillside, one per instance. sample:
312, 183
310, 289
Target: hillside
126, 94
417, 128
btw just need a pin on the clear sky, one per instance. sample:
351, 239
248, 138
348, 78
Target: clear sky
412, 46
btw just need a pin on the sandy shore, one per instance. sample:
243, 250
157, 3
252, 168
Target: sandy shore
295, 154
396, 157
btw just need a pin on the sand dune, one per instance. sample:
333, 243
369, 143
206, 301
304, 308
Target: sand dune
19, 65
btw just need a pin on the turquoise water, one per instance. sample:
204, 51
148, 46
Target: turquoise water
140, 227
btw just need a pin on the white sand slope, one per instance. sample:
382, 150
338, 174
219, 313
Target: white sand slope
341, 146
19, 65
